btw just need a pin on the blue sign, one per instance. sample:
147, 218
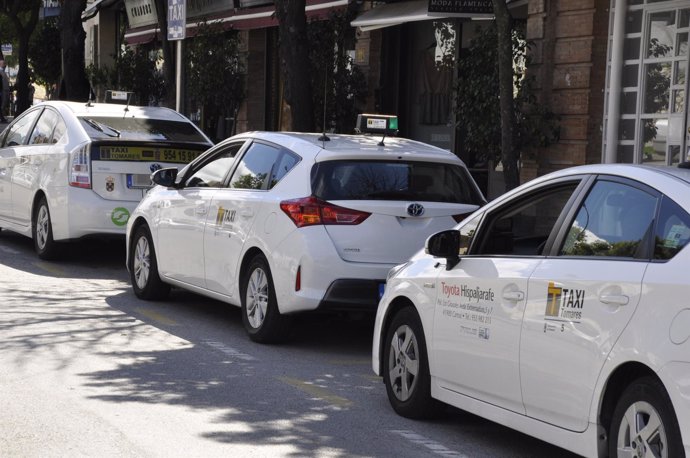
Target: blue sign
177, 19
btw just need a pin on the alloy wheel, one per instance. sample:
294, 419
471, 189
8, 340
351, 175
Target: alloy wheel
42, 227
142, 262
404, 363
641, 433
257, 298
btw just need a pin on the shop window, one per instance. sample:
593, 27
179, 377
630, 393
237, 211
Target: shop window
657, 84
661, 29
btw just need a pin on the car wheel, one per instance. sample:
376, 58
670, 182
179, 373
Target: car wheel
42, 232
406, 367
644, 423
143, 269
260, 315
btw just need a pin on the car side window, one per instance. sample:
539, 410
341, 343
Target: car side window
523, 228
20, 130
672, 230
255, 167
43, 131
213, 173
467, 233
613, 220
284, 164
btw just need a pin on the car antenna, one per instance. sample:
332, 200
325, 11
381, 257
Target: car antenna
129, 96
324, 138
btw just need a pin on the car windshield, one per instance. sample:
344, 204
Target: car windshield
395, 180
128, 128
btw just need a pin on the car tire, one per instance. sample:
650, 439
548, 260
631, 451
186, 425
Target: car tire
42, 232
260, 315
643, 403
406, 367
143, 267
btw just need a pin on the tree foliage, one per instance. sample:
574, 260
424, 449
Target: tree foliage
215, 71
75, 85
478, 102
44, 53
333, 73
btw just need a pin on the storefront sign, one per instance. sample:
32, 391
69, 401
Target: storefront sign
141, 13
464, 7
201, 8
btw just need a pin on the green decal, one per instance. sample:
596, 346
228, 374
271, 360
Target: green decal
120, 216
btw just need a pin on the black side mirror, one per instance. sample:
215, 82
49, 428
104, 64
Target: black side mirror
165, 177
445, 244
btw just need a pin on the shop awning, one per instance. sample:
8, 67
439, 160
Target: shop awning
390, 14
95, 7
244, 19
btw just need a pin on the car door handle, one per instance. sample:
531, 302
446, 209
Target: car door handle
614, 299
514, 296
246, 212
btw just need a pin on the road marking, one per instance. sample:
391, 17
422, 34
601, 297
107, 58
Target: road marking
51, 268
434, 446
156, 317
228, 350
9, 250
317, 392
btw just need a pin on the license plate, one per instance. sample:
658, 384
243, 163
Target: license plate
382, 288
139, 181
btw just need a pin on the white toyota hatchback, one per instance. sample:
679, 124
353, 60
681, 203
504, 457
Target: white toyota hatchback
279, 223
69, 170
561, 309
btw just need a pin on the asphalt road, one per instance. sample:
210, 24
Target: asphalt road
87, 369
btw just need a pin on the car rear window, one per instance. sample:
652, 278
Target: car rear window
129, 128
394, 180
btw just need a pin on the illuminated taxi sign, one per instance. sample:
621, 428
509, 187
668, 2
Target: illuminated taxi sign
377, 124
138, 153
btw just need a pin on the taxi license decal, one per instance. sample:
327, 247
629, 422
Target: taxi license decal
471, 306
119, 216
139, 153
224, 216
564, 304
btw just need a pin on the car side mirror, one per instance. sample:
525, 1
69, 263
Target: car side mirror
165, 177
445, 244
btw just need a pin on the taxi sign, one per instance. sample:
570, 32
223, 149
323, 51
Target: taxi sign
377, 124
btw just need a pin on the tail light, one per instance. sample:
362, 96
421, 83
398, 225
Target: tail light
310, 211
80, 167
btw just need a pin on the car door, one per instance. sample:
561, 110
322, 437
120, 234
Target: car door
38, 161
581, 297
481, 300
235, 209
11, 155
183, 214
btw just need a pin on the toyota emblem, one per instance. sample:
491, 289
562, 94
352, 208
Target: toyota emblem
415, 209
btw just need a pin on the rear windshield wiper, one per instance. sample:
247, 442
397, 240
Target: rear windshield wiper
99, 127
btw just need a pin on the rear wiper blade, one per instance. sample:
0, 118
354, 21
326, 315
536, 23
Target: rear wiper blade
99, 127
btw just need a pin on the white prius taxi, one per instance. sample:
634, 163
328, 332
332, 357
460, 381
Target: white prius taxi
279, 223
561, 309
70, 170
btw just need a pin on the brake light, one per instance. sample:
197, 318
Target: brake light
298, 279
80, 167
310, 211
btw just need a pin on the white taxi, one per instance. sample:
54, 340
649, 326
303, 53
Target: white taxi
280, 223
560, 309
70, 170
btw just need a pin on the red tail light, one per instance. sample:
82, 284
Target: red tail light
310, 211
80, 167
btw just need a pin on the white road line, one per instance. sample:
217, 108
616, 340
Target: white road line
232, 352
434, 446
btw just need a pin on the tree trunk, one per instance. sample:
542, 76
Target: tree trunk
294, 58
168, 54
509, 156
75, 85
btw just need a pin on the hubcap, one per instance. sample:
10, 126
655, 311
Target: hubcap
257, 298
142, 262
641, 433
42, 227
403, 363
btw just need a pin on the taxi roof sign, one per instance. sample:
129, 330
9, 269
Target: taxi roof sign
377, 124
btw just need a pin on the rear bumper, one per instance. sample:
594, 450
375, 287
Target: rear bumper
352, 295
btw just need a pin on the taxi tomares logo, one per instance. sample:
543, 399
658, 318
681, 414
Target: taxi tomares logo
564, 304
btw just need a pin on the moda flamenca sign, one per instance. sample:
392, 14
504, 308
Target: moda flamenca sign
469, 7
